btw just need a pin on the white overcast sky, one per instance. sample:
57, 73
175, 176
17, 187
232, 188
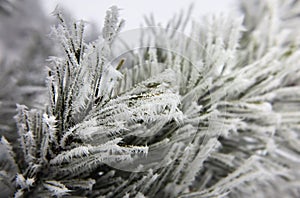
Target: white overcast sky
134, 10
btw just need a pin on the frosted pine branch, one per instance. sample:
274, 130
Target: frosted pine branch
212, 114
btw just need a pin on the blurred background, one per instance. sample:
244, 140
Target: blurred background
134, 10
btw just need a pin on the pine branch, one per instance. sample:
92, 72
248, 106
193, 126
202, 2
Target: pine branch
211, 115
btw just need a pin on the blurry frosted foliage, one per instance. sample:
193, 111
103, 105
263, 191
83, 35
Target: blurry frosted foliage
212, 114
24, 46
